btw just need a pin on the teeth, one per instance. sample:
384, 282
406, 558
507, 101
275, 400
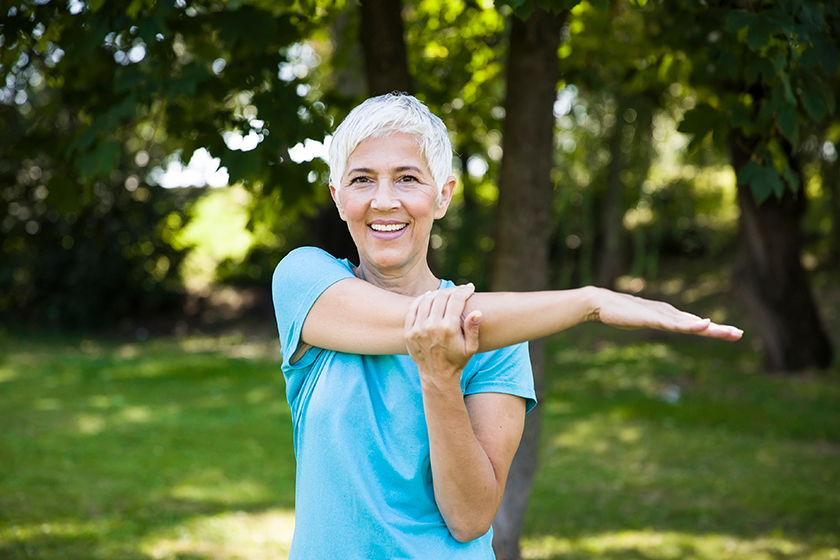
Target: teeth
388, 227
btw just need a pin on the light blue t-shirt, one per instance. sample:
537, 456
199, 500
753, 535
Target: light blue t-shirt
364, 480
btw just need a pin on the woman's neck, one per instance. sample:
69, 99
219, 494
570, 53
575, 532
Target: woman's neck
417, 281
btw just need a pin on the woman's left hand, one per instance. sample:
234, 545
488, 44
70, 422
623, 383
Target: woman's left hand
438, 337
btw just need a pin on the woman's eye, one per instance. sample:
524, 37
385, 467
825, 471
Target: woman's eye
361, 179
408, 179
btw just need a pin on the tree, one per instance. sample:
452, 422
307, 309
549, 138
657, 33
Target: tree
763, 77
98, 93
523, 223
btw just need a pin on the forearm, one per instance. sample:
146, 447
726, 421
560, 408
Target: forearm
513, 317
467, 489
357, 317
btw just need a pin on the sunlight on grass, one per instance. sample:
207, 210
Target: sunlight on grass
673, 546
65, 528
230, 536
7, 374
214, 486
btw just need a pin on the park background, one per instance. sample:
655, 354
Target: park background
157, 159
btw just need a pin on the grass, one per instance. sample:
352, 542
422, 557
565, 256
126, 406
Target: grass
654, 447
681, 449
165, 449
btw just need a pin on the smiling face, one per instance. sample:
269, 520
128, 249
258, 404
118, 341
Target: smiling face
389, 200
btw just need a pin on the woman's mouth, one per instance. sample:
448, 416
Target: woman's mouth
387, 227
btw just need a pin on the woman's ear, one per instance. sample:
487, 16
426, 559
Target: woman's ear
445, 197
337, 200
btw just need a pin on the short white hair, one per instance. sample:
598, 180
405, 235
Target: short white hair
386, 114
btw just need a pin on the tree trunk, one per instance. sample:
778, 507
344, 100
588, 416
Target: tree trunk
386, 63
609, 261
770, 280
831, 180
523, 224
386, 70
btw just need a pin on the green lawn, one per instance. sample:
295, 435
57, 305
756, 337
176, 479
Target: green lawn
655, 447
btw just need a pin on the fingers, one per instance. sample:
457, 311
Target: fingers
638, 312
471, 328
457, 301
723, 332
692, 324
438, 306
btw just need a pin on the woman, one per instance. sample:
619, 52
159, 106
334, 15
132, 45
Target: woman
409, 394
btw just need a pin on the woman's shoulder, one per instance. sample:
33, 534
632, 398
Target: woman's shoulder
305, 257
304, 264
307, 253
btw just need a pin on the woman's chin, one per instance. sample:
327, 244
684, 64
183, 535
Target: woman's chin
393, 259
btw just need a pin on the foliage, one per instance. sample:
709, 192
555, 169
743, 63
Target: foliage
169, 72
98, 93
767, 74
91, 268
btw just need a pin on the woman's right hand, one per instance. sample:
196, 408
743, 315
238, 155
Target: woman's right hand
439, 337
630, 312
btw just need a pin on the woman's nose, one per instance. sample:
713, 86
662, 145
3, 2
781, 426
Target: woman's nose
384, 198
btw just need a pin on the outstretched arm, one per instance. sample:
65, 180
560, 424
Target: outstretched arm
357, 317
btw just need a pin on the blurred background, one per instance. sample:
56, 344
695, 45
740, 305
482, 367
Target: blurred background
158, 158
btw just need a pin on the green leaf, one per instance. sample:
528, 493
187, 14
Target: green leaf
788, 122
699, 120
83, 140
780, 19
739, 115
760, 68
63, 195
828, 56
761, 31
763, 180
127, 78
244, 166
791, 178
788, 91
134, 8
775, 181
727, 60
810, 15
749, 173
735, 21
100, 161
813, 99
779, 61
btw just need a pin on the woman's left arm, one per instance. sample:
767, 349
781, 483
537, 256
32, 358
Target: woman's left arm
472, 439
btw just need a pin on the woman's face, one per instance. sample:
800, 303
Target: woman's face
388, 199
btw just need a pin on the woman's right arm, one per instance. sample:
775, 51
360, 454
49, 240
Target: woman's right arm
356, 317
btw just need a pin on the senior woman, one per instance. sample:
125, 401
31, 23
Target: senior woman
409, 394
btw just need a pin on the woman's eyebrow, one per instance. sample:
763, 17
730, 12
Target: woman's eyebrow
361, 170
408, 168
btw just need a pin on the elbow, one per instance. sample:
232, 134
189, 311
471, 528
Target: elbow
466, 530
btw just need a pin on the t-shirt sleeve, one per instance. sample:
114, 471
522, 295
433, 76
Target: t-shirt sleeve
507, 370
299, 280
